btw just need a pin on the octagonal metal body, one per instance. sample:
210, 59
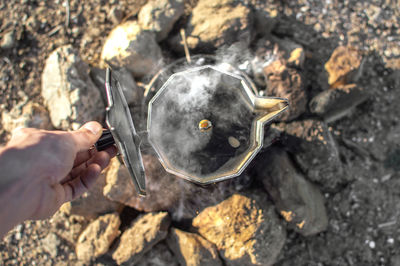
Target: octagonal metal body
236, 114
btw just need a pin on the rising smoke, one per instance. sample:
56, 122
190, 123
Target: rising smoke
190, 97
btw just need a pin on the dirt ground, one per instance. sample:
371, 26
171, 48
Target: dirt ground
364, 214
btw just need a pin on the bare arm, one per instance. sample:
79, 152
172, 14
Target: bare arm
40, 170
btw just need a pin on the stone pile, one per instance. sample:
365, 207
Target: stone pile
236, 222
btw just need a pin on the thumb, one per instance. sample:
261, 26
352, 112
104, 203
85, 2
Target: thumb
86, 136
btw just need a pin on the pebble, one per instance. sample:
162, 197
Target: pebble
18, 236
371, 244
8, 40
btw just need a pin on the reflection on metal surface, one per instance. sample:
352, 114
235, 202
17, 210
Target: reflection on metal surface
119, 121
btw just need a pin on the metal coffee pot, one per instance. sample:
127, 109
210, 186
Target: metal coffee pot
205, 123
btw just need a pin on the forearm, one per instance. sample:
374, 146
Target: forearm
14, 191
40, 170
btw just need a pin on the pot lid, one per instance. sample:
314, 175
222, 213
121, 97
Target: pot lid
206, 124
120, 123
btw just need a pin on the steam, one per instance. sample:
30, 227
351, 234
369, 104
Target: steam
183, 106
191, 97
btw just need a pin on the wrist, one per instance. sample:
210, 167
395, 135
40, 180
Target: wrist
12, 191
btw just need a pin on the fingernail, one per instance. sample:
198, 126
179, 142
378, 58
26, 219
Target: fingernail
93, 127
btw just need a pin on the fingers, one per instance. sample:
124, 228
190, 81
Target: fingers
83, 156
86, 136
100, 158
76, 187
85, 175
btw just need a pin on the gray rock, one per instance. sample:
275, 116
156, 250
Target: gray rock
244, 228
92, 203
129, 46
217, 23
8, 40
68, 92
265, 19
26, 114
192, 249
286, 82
299, 202
160, 16
315, 152
96, 239
144, 233
333, 104
159, 255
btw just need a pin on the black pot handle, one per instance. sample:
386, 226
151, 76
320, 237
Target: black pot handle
105, 141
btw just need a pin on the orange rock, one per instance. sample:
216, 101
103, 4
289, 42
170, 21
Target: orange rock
244, 229
344, 66
191, 249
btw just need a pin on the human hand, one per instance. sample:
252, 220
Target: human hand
40, 170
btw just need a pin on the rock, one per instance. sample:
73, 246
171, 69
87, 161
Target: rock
344, 66
119, 185
333, 104
293, 52
131, 47
217, 23
244, 228
299, 202
144, 233
32, 24
163, 189
26, 115
160, 16
166, 191
133, 94
96, 239
68, 227
159, 255
315, 152
192, 249
50, 244
8, 40
286, 83
92, 203
68, 92
265, 19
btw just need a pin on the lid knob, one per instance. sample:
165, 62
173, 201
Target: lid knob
205, 125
